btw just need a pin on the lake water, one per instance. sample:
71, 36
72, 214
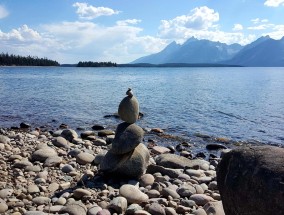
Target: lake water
238, 103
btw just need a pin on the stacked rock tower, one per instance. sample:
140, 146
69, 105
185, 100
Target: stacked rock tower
128, 156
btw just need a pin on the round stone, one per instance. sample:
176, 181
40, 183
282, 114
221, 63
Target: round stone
84, 158
146, 179
61, 142
43, 153
52, 161
79, 193
128, 109
132, 194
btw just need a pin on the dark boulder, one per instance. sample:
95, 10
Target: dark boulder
251, 181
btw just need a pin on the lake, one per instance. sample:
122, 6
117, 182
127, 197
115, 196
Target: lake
237, 103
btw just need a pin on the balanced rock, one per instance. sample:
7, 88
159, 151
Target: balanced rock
132, 164
127, 137
250, 180
128, 109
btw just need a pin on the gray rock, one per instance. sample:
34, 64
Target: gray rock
4, 193
128, 109
41, 200
60, 142
178, 162
201, 199
85, 134
3, 206
98, 158
132, 164
153, 193
104, 212
214, 208
99, 142
186, 190
4, 139
200, 211
156, 209
127, 137
22, 164
146, 179
132, 194
170, 211
74, 152
173, 173
35, 213
166, 192
118, 204
132, 208
43, 153
94, 210
84, 158
52, 161
74, 208
69, 134
67, 168
79, 193
250, 180
33, 168
32, 189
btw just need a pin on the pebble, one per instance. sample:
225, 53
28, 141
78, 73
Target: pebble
84, 158
201, 199
32, 189
132, 194
146, 179
156, 209
118, 204
79, 193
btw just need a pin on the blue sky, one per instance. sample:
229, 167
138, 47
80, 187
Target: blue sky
123, 30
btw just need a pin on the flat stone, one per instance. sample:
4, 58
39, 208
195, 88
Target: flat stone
61, 142
43, 153
5, 193
85, 134
32, 189
41, 200
201, 199
52, 161
132, 194
84, 158
105, 133
22, 164
79, 193
160, 150
166, 192
179, 162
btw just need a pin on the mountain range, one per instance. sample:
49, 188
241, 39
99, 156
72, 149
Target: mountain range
263, 52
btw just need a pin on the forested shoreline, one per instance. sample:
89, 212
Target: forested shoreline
17, 60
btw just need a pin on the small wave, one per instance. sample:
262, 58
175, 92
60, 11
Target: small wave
236, 117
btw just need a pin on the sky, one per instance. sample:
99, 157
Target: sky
121, 31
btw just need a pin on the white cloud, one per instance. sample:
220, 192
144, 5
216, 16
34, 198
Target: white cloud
201, 18
238, 27
89, 12
258, 21
128, 21
277, 32
273, 3
3, 12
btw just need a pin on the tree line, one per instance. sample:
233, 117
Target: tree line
17, 60
96, 64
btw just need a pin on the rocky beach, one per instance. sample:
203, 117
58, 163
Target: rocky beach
122, 171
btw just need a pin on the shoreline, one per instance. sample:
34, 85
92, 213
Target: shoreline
44, 172
30, 184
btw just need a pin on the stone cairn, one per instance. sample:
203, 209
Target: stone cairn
128, 156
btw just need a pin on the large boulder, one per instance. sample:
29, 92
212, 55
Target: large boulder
128, 109
131, 165
178, 162
251, 181
127, 137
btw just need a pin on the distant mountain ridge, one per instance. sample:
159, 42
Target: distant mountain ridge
265, 51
